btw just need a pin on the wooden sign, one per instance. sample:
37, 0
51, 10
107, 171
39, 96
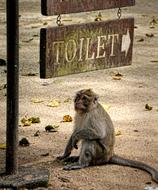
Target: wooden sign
55, 7
85, 47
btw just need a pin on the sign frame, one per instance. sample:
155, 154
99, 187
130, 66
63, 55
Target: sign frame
110, 44
56, 7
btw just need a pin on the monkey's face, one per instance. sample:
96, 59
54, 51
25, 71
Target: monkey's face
85, 100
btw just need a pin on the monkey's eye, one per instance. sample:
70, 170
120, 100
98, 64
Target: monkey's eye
76, 98
84, 98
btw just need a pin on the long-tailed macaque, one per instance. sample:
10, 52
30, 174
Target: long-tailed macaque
93, 126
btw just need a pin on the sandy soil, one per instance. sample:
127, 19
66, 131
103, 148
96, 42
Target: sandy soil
127, 98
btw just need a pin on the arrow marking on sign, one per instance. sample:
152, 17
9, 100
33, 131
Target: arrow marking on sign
126, 42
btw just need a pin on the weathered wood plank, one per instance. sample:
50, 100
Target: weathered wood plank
85, 47
55, 7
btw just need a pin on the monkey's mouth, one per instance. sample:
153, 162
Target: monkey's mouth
79, 107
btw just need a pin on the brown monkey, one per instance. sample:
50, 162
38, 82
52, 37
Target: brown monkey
93, 126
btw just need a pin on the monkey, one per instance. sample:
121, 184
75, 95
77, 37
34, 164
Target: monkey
94, 128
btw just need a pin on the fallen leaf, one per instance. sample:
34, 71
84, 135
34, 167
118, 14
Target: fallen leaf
45, 84
118, 75
118, 133
30, 74
67, 100
154, 61
28, 121
98, 17
51, 128
2, 146
106, 107
54, 103
148, 107
27, 41
4, 86
35, 35
46, 154
45, 23
36, 100
67, 118
34, 119
37, 133
25, 122
153, 22
36, 26
140, 40
116, 78
150, 35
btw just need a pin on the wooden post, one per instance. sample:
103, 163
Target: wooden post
12, 85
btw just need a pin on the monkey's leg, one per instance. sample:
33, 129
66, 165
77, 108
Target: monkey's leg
87, 155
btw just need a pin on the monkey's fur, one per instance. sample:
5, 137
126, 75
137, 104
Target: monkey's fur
93, 126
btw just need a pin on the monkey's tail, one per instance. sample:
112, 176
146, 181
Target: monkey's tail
135, 164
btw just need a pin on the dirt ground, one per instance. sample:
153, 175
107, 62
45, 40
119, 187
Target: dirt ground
126, 97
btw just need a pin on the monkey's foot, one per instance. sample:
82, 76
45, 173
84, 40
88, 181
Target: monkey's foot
73, 167
71, 159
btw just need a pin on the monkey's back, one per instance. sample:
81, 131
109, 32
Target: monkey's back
109, 133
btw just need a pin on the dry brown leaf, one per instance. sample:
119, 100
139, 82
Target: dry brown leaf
54, 103
116, 78
37, 100
51, 128
118, 133
67, 100
153, 22
27, 41
67, 118
25, 122
37, 133
34, 119
148, 107
118, 75
98, 17
28, 121
149, 35
154, 61
140, 40
2, 146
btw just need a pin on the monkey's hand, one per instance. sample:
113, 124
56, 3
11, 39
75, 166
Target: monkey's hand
60, 157
63, 156
74, 143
